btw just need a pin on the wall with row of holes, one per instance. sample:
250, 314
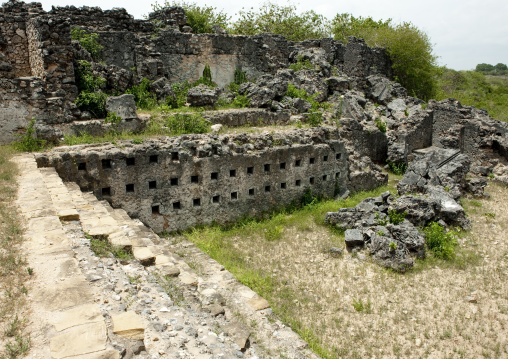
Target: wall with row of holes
198, 179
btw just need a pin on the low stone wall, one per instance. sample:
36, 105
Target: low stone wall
248, 117
180, 182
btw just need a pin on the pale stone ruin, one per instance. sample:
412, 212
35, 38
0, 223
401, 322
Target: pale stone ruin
130, 191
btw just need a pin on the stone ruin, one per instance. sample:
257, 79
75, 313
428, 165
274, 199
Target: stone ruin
175, 183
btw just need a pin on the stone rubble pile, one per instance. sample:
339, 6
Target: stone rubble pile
428, 192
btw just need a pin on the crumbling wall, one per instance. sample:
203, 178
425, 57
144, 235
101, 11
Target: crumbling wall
14, 59
21, 99
196, 179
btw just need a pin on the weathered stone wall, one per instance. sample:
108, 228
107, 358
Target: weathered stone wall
465, 127
14, 60
20, 99
51, 54
195, 179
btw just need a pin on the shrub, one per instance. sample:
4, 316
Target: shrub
241, 101
89, 41
90, 97
441, 243
240, 77
180, 124
281, 20
28, 141
145, 99
113, 118
396, 217
201, 19
410, 49
180, 90
314, 118
274, 233
301, 64
93, 102
398, 168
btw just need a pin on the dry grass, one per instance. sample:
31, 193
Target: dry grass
349, 307
13, 271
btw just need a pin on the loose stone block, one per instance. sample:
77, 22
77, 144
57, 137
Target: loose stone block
129, 325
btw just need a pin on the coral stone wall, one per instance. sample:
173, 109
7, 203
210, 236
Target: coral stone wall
181, 182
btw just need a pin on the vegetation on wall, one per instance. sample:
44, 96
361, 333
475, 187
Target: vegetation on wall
282, 20
89, 41
410, 49
202, 19
91, 98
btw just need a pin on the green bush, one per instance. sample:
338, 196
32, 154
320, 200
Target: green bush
28, 141
440, 242
90, 97
281, 20
241, 101
93, 102
85, 79
180, 89
145, 99
396, 217
201, 19
410, 49
180, 124
240, 77
301, 64
398, 168
89, 41
314, 118
113, 118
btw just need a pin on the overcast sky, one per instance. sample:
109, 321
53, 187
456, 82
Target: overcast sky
464, 32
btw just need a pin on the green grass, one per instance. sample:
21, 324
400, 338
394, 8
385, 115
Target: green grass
218, 242
13, 267
102, 248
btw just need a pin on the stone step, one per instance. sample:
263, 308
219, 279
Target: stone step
63, 311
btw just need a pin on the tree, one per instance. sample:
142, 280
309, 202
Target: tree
410, 49
201, 19
484, 68
281, 20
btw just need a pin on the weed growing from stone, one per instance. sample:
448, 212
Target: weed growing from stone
28, 142
102, 248
301, 64
381, 125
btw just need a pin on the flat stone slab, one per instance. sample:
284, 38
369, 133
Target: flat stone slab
43, 224
128, 325
53, 240
64, 294
258, 303
84, 339
88, 313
